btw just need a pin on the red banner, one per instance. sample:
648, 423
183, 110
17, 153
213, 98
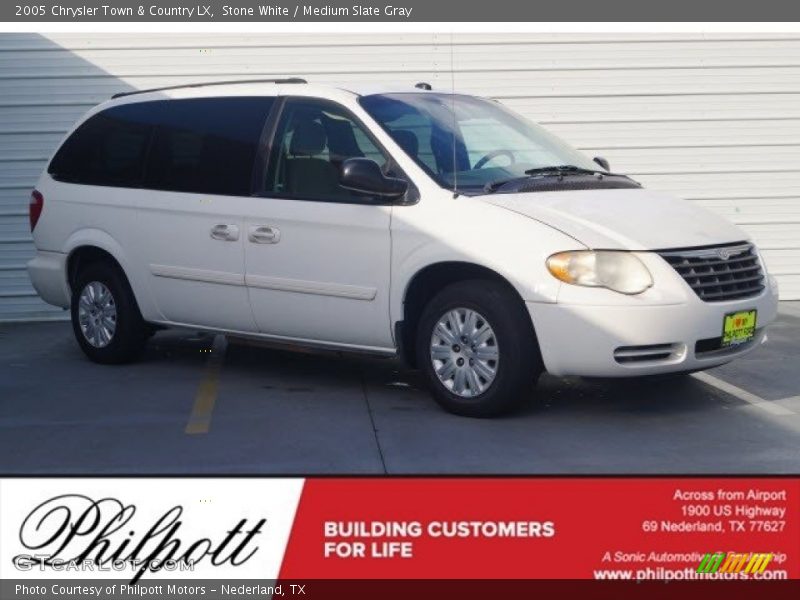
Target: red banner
546, 528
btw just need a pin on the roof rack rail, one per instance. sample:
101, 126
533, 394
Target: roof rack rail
209, 83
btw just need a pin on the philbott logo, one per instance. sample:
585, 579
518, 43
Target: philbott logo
734, 562
71, 530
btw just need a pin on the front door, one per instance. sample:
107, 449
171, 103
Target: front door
317, 256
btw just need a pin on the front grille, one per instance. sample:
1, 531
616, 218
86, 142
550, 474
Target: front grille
719, 273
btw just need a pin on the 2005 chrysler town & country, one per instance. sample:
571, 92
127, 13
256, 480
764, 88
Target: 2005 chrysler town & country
441, 227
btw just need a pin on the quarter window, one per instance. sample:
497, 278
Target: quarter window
108, 149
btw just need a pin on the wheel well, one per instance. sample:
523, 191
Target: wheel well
82, 257
425, 285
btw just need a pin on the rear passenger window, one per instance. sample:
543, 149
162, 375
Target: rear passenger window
200, 145
207, 145
108, 149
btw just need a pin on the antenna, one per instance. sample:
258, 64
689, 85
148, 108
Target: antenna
453, 110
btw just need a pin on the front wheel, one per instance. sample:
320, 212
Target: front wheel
477, 348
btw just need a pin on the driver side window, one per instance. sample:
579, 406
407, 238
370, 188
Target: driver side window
313, 139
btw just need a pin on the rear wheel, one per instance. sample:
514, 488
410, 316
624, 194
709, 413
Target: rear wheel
105, 317
476, 346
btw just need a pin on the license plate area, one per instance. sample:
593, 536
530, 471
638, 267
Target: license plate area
738, 327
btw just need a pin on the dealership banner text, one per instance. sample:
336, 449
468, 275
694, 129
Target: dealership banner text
141, 534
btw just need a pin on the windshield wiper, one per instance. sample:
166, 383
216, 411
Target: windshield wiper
562, 170
553, 171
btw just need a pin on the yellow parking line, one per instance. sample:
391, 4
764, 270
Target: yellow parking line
200, 419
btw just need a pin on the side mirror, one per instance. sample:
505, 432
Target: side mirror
364, 176
602, 162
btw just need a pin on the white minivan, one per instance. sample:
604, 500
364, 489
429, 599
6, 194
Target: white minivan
438, 227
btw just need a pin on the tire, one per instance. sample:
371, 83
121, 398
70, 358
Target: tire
129, 332
518, 362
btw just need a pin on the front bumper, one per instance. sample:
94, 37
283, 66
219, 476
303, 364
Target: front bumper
631, 338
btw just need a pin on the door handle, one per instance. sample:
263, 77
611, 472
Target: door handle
264, 234
225, 233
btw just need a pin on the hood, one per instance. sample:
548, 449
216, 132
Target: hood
625, 219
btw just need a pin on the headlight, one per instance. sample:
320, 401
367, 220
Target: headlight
619, 271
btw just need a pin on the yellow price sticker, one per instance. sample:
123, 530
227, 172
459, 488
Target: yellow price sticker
738, 327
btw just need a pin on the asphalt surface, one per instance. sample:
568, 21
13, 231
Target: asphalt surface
193, 405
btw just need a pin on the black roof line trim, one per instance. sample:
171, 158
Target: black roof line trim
209, 83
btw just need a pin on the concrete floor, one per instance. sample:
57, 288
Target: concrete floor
264, 411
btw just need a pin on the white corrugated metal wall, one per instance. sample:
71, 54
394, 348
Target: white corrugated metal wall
712, 118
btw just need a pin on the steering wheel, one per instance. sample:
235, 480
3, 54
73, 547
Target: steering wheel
494, 154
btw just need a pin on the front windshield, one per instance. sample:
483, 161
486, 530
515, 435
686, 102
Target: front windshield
465, 142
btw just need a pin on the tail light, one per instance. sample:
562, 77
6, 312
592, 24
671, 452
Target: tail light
35, 207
